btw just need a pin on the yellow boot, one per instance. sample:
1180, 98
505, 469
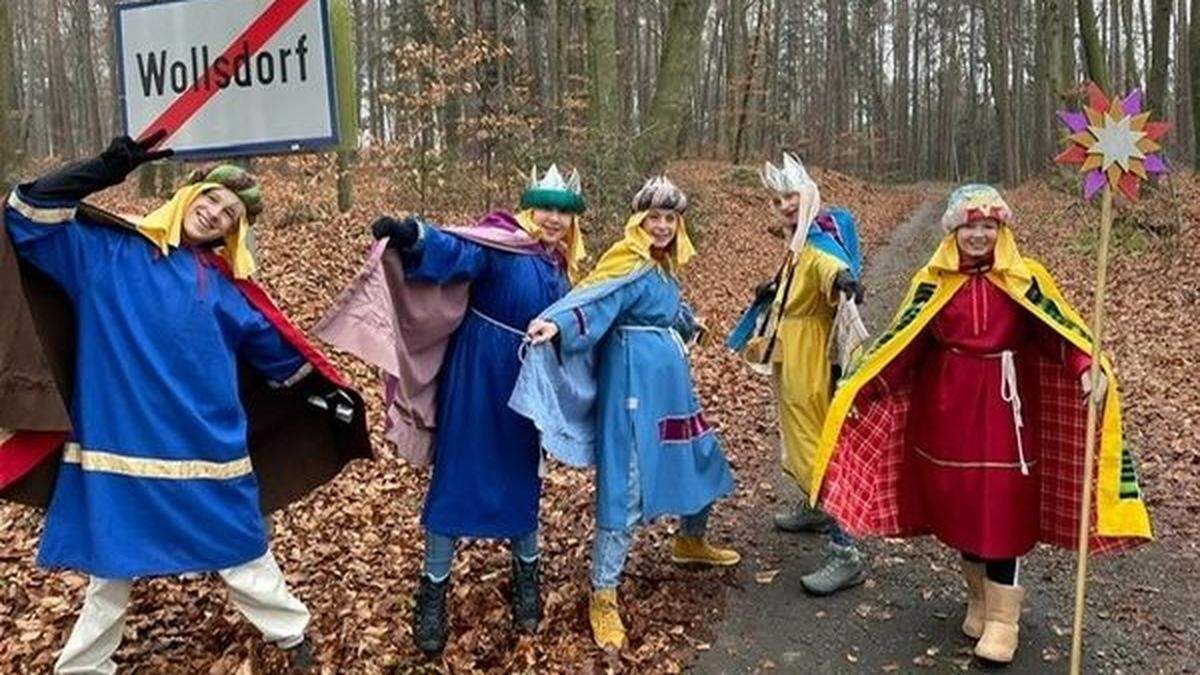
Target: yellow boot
607, 628
688, 550
1000, 628
975, 573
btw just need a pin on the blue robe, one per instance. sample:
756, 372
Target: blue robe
156, 479
624, 372
485, 468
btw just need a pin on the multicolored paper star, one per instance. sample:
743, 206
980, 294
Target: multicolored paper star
1113, 142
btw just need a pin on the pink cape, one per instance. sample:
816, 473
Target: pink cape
403, 328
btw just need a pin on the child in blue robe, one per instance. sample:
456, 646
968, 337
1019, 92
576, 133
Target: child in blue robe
615, 389
486, 458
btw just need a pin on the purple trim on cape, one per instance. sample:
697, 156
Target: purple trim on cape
498, 230
404, 327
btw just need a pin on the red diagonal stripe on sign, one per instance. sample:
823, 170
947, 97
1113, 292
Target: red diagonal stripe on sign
255, 36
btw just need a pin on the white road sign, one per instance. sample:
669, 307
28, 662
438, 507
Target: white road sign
228, 77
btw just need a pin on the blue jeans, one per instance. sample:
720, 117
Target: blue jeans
839, 536
439, 552
611, 548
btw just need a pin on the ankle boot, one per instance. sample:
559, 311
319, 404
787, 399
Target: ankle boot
695, 550
975, 574
607, 628
526, 596
429, 619
1000, 628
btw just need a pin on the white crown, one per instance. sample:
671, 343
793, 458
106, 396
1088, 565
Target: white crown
553, 180
791, 178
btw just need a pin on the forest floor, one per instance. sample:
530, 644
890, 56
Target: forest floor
906, 616
352, 550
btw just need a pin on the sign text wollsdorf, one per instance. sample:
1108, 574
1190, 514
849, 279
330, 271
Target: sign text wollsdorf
161, 75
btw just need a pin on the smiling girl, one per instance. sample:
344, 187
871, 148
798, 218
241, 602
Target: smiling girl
615, 390
965, 421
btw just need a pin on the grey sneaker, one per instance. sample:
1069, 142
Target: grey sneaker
843, 567
803, 519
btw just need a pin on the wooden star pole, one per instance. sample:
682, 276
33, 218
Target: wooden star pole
1089, 455
1115, 146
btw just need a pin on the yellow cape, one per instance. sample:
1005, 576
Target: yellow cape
1120, 511
634, 250
576, 252
164, 227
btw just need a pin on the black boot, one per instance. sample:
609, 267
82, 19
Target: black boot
429, 618
302, 660
526, 595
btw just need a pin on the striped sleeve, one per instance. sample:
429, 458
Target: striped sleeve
47, 236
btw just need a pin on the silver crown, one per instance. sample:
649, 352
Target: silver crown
791, 178
553, 180
660, 193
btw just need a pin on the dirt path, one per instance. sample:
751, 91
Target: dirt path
906, 617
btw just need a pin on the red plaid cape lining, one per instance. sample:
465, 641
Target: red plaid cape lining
862, 485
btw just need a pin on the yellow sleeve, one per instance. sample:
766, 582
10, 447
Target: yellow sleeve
823, 270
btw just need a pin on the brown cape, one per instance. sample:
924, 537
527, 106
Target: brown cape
293, 446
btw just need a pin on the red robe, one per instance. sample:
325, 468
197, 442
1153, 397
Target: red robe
977, 487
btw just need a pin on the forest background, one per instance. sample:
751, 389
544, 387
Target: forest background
888, 101
888, 90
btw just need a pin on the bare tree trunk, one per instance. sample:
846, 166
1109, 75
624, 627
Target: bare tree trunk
112, 111
674, 78
1183, 82
1160, 48
61, 127
626, 49
1113, 28
914, 138
747, 86
8, 148
489, 87
604, 107
1194, 57
1093, 51
999, 78
535, 28
1130, 67
89, 98
1066, 18
1044, 53
735, 59
1014, 25
1145, 32
900, 78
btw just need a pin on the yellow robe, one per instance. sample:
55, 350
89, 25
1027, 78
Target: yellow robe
801, 358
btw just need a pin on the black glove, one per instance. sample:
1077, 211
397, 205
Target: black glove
845, 283
402, 234
77, 180
765, 291
124, 154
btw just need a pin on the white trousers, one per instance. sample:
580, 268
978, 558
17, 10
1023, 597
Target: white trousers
257, 589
